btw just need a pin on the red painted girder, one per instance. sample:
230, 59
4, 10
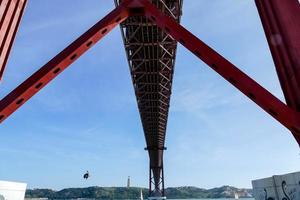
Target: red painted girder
281, 22
11, 12
272, 105
49, 71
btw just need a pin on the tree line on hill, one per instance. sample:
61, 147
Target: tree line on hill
134, 193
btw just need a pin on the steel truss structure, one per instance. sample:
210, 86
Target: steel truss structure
150, 32
151, 56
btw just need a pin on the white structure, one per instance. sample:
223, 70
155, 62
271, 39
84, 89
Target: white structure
12, 190
128, 182
277, 187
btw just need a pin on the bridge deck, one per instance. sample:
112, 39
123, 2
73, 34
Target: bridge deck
151, 56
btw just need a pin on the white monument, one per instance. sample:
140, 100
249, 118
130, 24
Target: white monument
277, 187
12, 190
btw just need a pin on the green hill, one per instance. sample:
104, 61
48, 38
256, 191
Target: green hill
134, 193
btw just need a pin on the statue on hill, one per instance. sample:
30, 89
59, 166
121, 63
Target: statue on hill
86, 175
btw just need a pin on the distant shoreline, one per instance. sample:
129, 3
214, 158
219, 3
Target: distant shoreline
185, 192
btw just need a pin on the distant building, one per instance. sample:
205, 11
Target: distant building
12, 190
278, 187
128, 182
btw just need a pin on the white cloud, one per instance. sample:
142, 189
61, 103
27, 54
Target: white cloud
201, 99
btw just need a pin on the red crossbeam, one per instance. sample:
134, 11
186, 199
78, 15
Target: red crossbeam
59, 63
262, 97
272, 105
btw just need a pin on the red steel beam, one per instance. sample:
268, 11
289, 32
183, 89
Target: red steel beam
281, 22
60, 62
277, 109
11, 12
263, 98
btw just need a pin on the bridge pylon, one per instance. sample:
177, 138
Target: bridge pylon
156, 183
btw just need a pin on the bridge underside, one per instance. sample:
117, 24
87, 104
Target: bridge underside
151, 56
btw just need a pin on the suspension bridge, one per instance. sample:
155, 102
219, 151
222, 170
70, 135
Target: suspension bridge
151, 30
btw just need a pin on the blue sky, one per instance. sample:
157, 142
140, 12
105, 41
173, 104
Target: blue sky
87, 118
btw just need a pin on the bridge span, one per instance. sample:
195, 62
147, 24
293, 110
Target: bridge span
150, 31
151, 54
